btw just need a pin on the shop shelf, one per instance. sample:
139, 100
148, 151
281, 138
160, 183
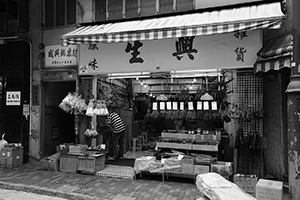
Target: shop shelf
173, 145
205, 147
200, 137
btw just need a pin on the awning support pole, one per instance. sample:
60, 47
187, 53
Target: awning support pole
94, 117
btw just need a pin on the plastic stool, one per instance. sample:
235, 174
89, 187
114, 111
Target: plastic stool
141, 139
136, 144
145, 135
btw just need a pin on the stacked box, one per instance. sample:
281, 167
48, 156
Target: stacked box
187, 165
51, 163
68, 163
201, 169
11, 156
246, 182
21, 160
269, 190
223, 168
2, 162
91, 164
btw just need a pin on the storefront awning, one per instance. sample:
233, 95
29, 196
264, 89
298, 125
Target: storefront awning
245, 18
275, 55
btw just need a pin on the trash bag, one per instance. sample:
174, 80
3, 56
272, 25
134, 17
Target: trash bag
2, 142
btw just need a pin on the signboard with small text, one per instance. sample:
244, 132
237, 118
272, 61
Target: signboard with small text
13, 98
220, 51
58, 56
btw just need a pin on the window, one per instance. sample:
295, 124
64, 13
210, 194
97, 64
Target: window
60, 13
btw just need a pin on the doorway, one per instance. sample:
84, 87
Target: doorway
58, 125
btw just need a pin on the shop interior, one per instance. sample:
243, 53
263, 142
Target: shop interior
203, 114
192, 88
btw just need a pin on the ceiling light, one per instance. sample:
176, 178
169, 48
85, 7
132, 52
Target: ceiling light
206, 97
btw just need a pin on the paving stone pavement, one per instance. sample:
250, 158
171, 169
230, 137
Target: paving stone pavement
30, 177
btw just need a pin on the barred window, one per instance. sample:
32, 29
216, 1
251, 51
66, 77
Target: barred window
60, 13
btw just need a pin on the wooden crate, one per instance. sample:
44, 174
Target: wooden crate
91, 164
68, 163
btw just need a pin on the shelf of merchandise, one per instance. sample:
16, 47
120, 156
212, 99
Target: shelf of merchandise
211, 140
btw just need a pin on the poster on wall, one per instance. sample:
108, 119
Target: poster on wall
13, 98
54, 132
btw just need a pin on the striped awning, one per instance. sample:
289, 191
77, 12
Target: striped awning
275, 54
245, 18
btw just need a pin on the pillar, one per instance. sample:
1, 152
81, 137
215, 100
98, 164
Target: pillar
293, 100
293, 93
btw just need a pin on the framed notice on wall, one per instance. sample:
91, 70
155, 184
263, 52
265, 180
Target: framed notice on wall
54, 132
13, 98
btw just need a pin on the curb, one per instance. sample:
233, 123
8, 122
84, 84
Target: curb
47, 191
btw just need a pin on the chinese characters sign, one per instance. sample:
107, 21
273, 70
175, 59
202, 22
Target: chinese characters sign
58, 56
135, 52
221, 51
240, 51
184, 45
13, 98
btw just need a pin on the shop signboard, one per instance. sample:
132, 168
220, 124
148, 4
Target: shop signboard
13, 98
60, 56
233, 50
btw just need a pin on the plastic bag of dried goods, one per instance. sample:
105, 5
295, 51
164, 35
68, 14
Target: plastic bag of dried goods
2, 142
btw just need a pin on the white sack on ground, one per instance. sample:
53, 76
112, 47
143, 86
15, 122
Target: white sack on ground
143, 163
216, 187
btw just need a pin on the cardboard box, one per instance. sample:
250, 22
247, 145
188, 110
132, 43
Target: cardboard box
2, 162
12, 162
269, 190
187, 169
11, 152
201, 169
246, 182
53, 165
68, 163
91, 164
222, 168
2, 153
187, 161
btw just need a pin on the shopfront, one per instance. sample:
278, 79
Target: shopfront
211, 46
58, 78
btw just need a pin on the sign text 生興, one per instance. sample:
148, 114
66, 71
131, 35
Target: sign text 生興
13, 98
57, 55
220, 51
